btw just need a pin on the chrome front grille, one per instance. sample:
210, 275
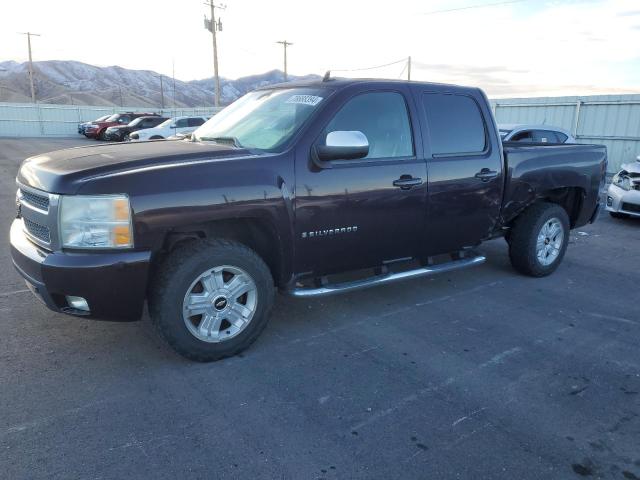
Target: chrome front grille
38, 231
37, 200
39, 213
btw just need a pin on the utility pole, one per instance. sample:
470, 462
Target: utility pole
161, 93
33, 90
212, 26
173, 68
285, 44
409, 68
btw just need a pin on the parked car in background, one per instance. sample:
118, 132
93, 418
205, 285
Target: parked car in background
290, 187
173, 126
121, 132
180, 136
97, 130
623, 196
84, 125
534, 134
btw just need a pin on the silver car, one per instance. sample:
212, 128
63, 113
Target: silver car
623, 196
511, 132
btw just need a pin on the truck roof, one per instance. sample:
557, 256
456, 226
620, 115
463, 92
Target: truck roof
338, 82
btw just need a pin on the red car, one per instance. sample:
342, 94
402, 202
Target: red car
97, 129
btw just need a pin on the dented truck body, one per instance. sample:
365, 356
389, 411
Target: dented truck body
307, 217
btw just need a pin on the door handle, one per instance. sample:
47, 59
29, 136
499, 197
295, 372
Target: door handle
405, 182
486, 174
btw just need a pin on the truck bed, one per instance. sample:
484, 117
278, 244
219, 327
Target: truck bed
536, 169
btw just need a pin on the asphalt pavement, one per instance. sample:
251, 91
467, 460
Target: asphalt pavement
476, 374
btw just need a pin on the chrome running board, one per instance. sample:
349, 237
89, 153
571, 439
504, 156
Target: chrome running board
386, 278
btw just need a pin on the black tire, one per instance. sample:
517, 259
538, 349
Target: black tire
523, 237
174, 278
619, 215
101, 135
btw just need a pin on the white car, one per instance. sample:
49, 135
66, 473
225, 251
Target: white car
169, 128
623, 196
534, 134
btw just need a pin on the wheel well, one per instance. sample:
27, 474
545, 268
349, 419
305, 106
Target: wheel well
569, 198
255, 233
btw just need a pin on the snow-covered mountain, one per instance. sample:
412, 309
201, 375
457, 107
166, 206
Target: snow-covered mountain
70, 82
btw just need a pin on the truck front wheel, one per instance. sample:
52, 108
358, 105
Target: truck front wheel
538, 240
211, 299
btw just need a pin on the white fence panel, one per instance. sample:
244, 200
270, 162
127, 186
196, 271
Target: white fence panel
611, 120
49, 120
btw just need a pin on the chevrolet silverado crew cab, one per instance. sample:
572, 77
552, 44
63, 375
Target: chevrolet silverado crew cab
312, 189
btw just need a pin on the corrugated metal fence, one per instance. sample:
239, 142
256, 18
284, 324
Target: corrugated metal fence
47, 120
611, 120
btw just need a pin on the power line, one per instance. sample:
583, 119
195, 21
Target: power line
368, 68
469, 7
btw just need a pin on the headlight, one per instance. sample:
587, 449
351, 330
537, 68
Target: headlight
621, 180
101, 221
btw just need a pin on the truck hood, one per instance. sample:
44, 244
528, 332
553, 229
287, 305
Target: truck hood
65, 171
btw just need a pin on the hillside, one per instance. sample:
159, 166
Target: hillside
70, 82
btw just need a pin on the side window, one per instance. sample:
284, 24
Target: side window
544, 136
455, 124
149, 122
526, 136
195, 121
561, 137
181, 123
383, 118
124, 119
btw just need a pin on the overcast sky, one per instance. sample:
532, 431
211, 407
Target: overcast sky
527, 47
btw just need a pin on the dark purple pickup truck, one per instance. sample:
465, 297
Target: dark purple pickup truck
313, 188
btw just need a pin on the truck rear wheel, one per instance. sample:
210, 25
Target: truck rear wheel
211, 299
538, 240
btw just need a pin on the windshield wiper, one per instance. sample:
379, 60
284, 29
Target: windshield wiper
223, 140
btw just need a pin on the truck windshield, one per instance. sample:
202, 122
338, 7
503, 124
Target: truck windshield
264, 119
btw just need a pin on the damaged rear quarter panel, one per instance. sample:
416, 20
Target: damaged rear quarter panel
532, 172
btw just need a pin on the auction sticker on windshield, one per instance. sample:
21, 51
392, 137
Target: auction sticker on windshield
305, 100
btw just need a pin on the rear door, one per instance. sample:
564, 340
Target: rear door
362, 212
465, 170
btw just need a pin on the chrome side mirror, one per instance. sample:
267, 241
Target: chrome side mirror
343, 145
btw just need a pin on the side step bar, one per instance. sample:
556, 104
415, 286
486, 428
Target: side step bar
384, 279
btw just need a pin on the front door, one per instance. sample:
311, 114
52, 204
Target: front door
359, 213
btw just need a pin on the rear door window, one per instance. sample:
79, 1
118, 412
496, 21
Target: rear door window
195, 121
526, 136
545, 136
456, 126
181, 123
